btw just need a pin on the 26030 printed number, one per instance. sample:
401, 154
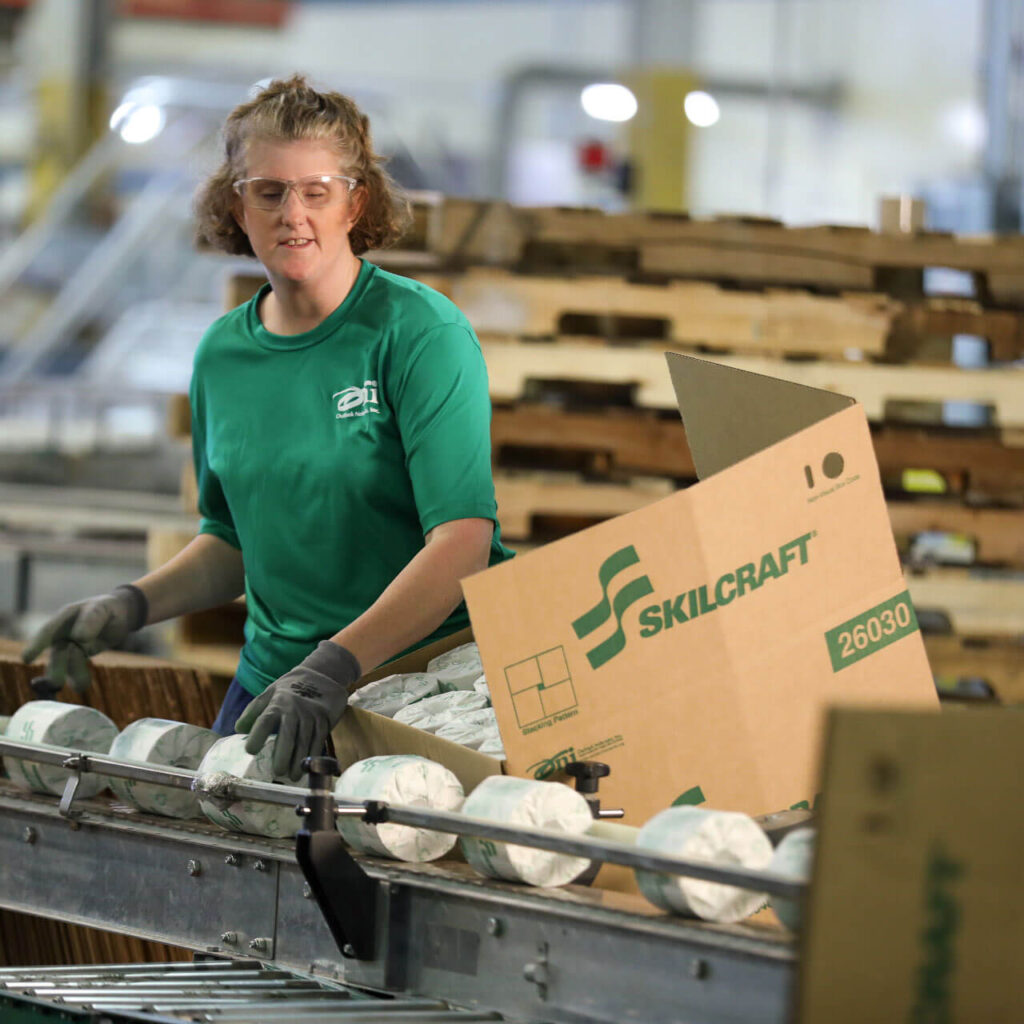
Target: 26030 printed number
870, 631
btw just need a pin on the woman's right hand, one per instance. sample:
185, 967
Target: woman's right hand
85, 628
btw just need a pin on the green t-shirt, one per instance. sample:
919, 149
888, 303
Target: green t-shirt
327, 456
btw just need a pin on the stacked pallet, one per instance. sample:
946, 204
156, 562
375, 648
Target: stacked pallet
125, 687
575, 308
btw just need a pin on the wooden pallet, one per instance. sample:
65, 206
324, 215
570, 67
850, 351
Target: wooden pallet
614, 443
995, 536
997, 660
924, 330
882, 390
566, 501
980, 466
683, 313
767, 252
460, 232
974, 604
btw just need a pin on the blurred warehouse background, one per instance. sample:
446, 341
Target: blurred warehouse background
742, 113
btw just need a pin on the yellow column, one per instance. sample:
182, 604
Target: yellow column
659, 137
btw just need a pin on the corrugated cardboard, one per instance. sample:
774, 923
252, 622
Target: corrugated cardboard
693, 644
917, 899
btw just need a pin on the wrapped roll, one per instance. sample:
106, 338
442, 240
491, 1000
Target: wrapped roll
399, 779
470, 729
793, 858
157, 741
4, 722
56, 724
457, 669
392, 693
725, 838
493, 746
433, 712
480, 686
546, 805
228, 757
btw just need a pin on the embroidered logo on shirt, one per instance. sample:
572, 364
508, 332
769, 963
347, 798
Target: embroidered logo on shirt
356, 401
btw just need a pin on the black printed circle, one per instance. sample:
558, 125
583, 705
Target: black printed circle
832, 465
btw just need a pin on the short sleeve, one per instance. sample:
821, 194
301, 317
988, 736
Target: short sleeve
441, 402
215, 515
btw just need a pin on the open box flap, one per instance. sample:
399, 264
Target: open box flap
731, 414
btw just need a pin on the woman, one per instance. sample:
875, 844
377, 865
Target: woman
340, 436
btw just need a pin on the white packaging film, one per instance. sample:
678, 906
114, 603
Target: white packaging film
388, 695
4, 721
481, 687
470, 729
726, 838
399, 779
57, 724
793, 858
228, 755
457, 669
158, 741
512, 801
433, 712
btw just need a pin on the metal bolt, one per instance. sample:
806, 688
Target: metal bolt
307, 891
259, 865
348, 950
231, 860
230, 938
195, 868
30, 835
259, 945
700, 969
537, 972
495, 926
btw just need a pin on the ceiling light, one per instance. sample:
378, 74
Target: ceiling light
608, 101
138, 123
701, 108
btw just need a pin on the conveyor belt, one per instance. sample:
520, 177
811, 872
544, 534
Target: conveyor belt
210, 990
439, 931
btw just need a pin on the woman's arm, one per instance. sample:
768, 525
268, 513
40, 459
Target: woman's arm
206, 573
422, 595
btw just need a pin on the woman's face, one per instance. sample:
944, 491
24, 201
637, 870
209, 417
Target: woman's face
295, 243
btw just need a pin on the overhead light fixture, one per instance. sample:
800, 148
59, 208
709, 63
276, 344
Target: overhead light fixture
608, 101
138, 122
701, 108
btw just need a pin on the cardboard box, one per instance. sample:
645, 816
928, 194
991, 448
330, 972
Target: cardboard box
694, 644
917, 902
361, 734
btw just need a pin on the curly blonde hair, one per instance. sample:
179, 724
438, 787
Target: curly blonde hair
288, 110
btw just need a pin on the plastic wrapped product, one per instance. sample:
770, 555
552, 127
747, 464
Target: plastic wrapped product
4, 720
546, 805
399, 779
157, 741
718, 837
228, 757
793, 858
493, 746
457, 669
388, 695
470, 729
433, 712
481, 687
57, 724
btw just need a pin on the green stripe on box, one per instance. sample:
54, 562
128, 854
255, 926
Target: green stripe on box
859, 637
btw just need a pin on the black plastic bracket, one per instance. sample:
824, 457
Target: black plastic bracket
345, 894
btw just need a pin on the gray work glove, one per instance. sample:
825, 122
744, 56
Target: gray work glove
301, 707
85, 628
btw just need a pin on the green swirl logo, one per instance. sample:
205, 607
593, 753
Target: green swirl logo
625, 595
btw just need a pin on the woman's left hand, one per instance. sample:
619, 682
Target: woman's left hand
301, 707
